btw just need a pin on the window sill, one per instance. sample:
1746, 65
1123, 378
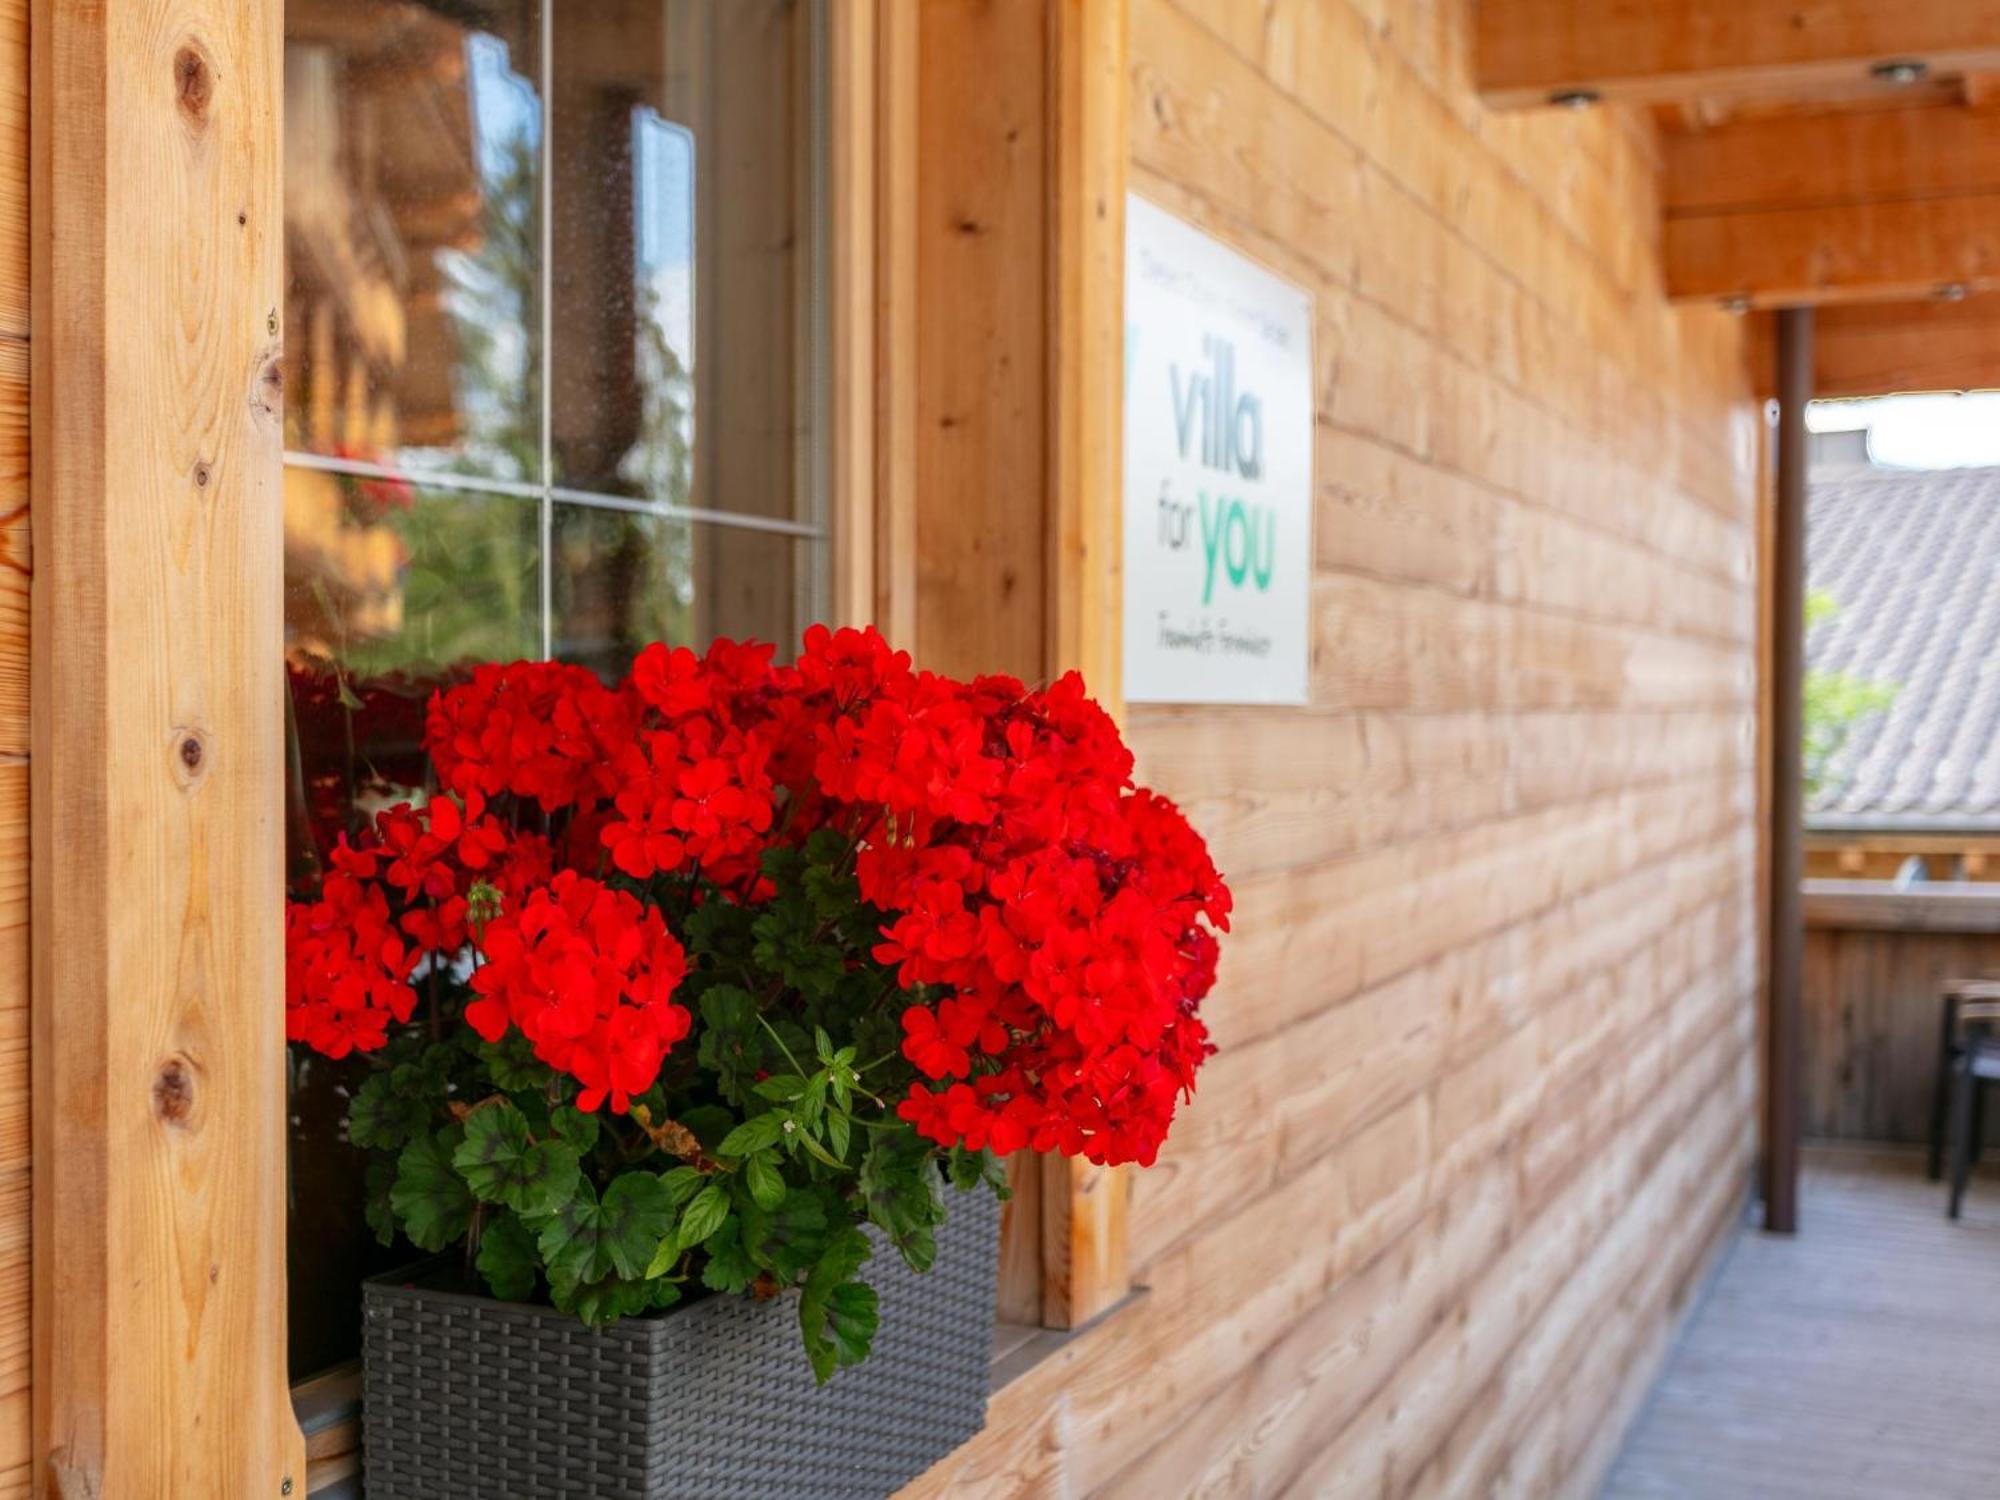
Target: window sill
1020, 1347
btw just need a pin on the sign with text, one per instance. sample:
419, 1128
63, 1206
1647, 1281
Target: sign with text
1218, 471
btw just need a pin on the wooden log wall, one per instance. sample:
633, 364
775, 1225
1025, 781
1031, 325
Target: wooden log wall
15, 1350
1485, 1100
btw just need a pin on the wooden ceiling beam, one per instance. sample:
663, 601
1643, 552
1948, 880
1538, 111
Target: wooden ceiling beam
1845, 206
1664, 51
1923, 346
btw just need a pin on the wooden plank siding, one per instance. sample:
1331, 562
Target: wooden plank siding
1485, 1098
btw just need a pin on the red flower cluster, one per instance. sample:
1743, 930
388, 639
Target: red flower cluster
1061, 908
1053, 925
588, 975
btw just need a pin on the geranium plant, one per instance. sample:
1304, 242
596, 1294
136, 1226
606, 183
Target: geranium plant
676, 983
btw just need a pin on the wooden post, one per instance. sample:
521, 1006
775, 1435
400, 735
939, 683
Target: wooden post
1003, 182
159, 1093
1084, 1207
1783, 1033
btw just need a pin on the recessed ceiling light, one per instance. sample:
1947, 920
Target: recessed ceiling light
1575, 98
1900, 71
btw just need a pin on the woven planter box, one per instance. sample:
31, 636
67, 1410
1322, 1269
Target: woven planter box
467, 1398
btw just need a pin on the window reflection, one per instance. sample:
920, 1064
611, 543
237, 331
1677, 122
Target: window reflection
622, 579
686, 254
413, 230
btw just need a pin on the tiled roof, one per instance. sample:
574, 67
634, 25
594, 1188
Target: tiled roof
1912, 560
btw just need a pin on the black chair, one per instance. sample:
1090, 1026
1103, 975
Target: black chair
1954, 994
1975, 1064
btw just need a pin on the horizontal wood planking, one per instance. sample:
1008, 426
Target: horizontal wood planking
1667, 50
1297, 790
1484, 1098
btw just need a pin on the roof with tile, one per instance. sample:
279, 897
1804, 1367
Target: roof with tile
1911, 559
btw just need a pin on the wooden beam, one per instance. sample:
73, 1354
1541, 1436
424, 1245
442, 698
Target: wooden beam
1875, 905
158, 1040
1787, 161
1880, 349
1911, 346
1661, 51
1840, 206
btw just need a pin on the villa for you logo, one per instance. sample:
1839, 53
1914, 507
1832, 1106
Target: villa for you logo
1218, 471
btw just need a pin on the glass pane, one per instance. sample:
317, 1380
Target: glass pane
413, 234
685, 360
623, 579
390, 590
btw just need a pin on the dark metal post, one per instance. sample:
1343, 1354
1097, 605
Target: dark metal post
1783, 1028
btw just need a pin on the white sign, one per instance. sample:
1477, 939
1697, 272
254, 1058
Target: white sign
1218, 471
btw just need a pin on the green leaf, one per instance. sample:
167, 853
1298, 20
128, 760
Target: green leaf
729, 1268
904, 1191
703, 1216
576, 1128
783, 1088
838, 1130
838, 1315
968, 1169
507, 1259
429, 1198
511, 1063
381, 1215
604, 1302
636, 1217
790, 1240
681, 1184
590, 1237
814, 1103
766, 1186
502, 1164
384, 1117
732, 1044
754, 1134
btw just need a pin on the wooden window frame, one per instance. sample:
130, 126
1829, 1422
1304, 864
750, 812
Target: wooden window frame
997, 518
156, 413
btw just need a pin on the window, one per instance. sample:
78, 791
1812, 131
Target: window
556, 386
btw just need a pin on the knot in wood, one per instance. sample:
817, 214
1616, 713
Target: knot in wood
189, 755
194, 82
173, 1091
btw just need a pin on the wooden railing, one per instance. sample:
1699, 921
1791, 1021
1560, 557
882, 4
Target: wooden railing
1875, 957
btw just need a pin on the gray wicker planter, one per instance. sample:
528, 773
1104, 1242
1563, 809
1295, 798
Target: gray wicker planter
467, 1398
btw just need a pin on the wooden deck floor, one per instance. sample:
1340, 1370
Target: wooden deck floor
1860, 1361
